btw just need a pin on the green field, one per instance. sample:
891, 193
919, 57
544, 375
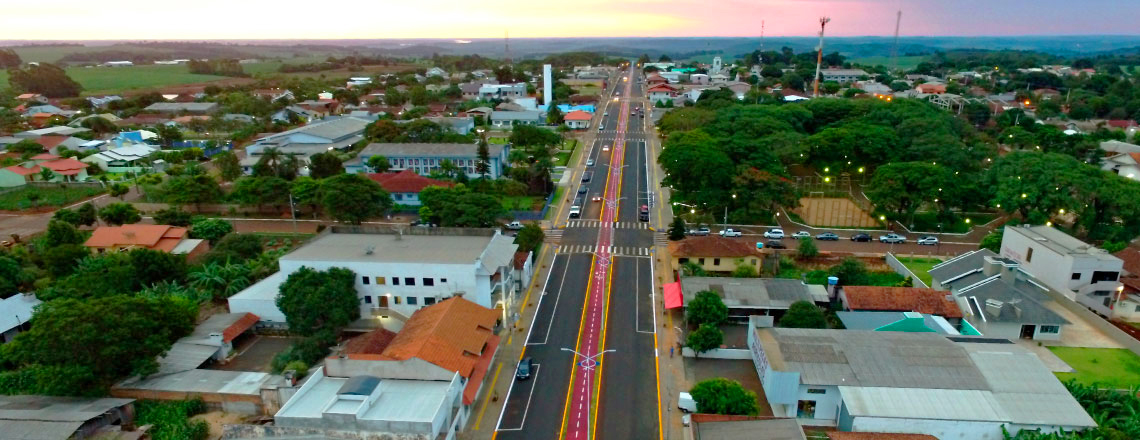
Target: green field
906, 63
19, 199
1114, 367
522, 203
920, 267
109, 80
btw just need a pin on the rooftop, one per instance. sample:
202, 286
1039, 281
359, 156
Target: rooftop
1131, 258
406, 181
961, 265
1060, 242
428, 150
182, 106
16, 310
840, 435
712, 246
398, 400
768, 293
50, 418
895, 321
721, 427
437, 246
901, 299
333, 130
205, 382
158, 237
516, 115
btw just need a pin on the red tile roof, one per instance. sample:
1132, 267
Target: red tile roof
901, 299
837, 435
406, 181
239, 327
1121, 123
18, 169
67, 166
578, 115
663, 87
712, 246
156, 237
451, 334
45, 156
1131, 257
373, 342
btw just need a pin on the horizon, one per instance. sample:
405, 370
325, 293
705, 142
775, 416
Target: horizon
457, 40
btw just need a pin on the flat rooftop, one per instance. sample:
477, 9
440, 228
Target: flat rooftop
399, 400
1061, 242
394, 248
205, 381
768, 293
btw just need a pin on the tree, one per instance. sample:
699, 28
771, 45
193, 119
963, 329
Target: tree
9, 59
60, 233
483, 165
12, 276
704, 338
271, 191
172, 216
192, 189
220, 280
99, 125
677, 229
322, 165
460, 207
168, 134
706, 308
46, 174
26, 147
992, 241
803, 314
904, 187
228, 165
66, 215
353, 198
154, 266
745, 271
807, 248
306, 191
61, 260
554, 114
44, 78
119, 190
235, 248
87, 214
379, 164
119, 213
978, 113
313, 300
211, 229
724, 396
850, 271
530, 237
691, 269
697, 168
110, 338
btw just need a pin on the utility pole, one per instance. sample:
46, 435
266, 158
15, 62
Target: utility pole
895, 48
760, 59
507, 46
819, 56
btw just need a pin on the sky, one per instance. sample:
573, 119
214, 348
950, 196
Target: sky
307, 19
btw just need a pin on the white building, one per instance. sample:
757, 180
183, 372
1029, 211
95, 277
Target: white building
1080, 271
398, 273
843, 75
951, 387
1124, 164
502, 91
15, 312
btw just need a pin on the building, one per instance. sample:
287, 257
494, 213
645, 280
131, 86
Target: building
998, 299
578, 120
931, 88
897, 322
425, 158
58, 130
198, 108
302, 142
507, 119
663, 92
727, 427
457, 125
65, 418
919, 383
398, 272
405, 186
714, 253
1080, 271
901, 299
843, 76
213, 339
1124, 164
62, 170
172, 239
745, 297
127, 159
502, 91
1127, 305
15, 312
840, 435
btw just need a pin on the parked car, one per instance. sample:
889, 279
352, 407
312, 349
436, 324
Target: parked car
583, 189
861, 237
601, 127
776, 233
586, 176
699, 231
515, 225
575, 211
827, 236
589, 162
928, 240
800, 234
730, 233
526, 366
892, 238
775, 244
686, 403
422, 224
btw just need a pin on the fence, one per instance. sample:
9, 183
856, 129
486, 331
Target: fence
901, 269
535, 215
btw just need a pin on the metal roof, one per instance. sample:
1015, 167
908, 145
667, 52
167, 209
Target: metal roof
50, 418
428, 150
959, 265
760, 293
38, 430
184, 356
204, 381
405, 248
1017, 301
16, 310
922, 403
515, 116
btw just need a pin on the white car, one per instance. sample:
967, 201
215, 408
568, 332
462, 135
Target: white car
801, 234
730, 233
892, 238
776, 233
605, 148
515, 225
928, 240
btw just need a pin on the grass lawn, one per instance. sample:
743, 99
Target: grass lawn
1115, 367
906, 63
561, 159
54, 196
497, 140
921, 267
521, 203
554, 201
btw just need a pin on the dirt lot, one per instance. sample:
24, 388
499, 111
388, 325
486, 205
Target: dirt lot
255, 353
834, 212
216, 419
742, 371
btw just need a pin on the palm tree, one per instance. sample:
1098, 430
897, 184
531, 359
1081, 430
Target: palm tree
271, 156
221, 280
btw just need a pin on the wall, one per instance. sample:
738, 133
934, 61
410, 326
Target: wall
718, 353
412, 369
1097, 322
901, 269
727, 264
943, 429
1050, 267
826, 405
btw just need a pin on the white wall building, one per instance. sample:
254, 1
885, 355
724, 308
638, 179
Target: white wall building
398, 273
1078, 270
1125, 164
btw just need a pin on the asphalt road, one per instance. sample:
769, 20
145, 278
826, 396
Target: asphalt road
568, 312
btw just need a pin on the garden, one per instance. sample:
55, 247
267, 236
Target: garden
920, 267
1112, 367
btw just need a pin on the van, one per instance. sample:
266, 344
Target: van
643, 214
686, 403
586, 176
575, 211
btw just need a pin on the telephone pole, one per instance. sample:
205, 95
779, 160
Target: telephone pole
819, 57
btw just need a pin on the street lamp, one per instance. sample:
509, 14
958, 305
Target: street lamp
588, 363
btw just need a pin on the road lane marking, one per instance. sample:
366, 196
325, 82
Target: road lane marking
526, 409
554, 312
522, 307
487, 397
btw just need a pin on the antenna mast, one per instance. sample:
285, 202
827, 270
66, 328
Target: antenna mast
760, 58
507, 46
895, 48
819, 56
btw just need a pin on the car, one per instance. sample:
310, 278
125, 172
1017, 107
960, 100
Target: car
861, 237
596, 198
601, 127
686, 403
699, 231
605, 148
583, 189
632, 112
730, 233
586, 176
575, 211
892, 238
801, 234
827, 236
776, 233
525, 368
515, 225
589, 162
643, 213
775, 244
604, 114
928, 240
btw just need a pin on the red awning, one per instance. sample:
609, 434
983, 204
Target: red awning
673, 298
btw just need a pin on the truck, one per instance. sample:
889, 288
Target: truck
731, 233
699, 231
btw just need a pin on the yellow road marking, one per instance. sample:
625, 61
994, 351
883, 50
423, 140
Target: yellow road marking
581, 324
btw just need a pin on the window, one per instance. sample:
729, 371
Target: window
1029, 255
429, 300
816, 391
395, 281
716, 261
1076, 276
682, 260
1101, 275
429, 281
396, 299
411, 300
1050, 329
701, 261
399, 196
380, 281
753, 261
367, 299
443, 280
409, 281
364, 280
1137, 309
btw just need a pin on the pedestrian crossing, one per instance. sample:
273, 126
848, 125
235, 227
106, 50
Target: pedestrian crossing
621, 251
598, 224
553, 236
660, 239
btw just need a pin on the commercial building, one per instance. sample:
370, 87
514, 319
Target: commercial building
843, 75
745, 297
1080, 271
320, 137
199, 108
502, 91
920, 383
425, 158
508, 119
398, 271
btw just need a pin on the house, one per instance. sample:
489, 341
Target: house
745, 297
398, 272
15, 312
470, 90
901, 299
426, 158
333, 134
730, 427
714, 253
172, 239
273, 94
66, 418
661, 93
910, 382
578, 120
60, 130
62, 170
931, 88
128, 159
1119, 147
197, 108
483, 112
32, 97
507, 119
1127, 304
238, 117
322, 107
435, 71
1080, 271
843, 76
405, 186
302, 114
998, 299
1124, 164
502, 91
896, 322
873, 87
78, 122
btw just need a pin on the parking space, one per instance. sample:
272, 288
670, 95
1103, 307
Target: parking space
743, 371
519, 397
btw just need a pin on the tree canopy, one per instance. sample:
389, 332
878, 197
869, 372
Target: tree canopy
314, 300
353, 198
706, 308
44, 78
803, 314
724, 396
